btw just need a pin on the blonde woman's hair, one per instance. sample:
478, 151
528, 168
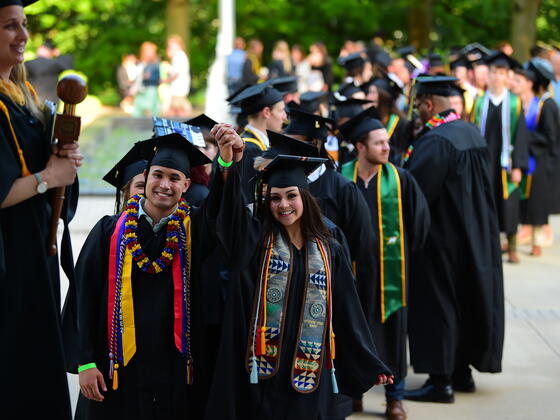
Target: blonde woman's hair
284, 48
18, 76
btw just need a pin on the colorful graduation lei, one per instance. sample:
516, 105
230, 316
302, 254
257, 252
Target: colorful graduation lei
171, 240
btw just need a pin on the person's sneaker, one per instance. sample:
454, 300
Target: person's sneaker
431, 392
395, 410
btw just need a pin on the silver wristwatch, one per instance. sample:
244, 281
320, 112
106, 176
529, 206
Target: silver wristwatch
42, 186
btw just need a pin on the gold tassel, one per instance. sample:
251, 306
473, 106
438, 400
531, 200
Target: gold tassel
332, 346
263, 341
115, 377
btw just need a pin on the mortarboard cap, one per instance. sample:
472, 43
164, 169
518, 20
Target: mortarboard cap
383, 59
460, 61
357, 127
389, 84
284, 85
176, 152
308, 124
132, 163
309, 101
254, 98
289, 171
352, 61
344, 107
435, 85
202, 121
500, 59
22, 3
285, 145
538, 73
435, 60
348, 89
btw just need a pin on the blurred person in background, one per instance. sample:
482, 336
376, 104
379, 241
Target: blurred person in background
179, 78
281, 64
146, 101
127, 72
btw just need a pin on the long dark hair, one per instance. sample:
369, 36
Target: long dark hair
311, 222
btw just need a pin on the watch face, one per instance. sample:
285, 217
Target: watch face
42, 188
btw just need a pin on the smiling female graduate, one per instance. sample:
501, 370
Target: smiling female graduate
286, 309
138, 290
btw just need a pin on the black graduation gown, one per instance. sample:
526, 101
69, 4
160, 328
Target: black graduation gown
457, 297
508, 210
357, 366
154, 381
554, 159
542, 141
196, 194
342, 203
248, 172
29, 282
390, 336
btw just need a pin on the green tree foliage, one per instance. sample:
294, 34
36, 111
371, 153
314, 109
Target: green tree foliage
98, 33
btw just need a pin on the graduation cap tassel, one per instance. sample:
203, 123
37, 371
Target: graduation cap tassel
254, 375
115, 377
189, 372
333, 379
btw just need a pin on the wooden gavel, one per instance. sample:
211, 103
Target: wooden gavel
71, 90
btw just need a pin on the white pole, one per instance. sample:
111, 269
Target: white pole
217, 91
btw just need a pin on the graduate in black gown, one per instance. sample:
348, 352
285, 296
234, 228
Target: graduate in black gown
456, 305
293, 332
499, 115
384, 92
400, 228
30, 300
127, 176
542, 119
139, 293
355, 65
264, 107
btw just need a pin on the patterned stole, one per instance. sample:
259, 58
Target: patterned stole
267, 325
121, 331
391, 236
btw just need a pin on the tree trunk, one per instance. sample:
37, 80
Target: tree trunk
523, 27
177, 21
420, 23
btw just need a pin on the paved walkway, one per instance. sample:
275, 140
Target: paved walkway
529, 387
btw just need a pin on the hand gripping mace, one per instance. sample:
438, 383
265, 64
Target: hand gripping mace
72, 90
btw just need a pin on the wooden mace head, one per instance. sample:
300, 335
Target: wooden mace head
71, 89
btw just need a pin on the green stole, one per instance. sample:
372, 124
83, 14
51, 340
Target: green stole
391, 236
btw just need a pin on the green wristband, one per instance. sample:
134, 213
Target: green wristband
224, 164
86, 367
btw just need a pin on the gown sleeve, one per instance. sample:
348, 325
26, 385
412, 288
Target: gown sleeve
10, 169
416, 213
357, 364
520, 154
91, 279
237, 230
